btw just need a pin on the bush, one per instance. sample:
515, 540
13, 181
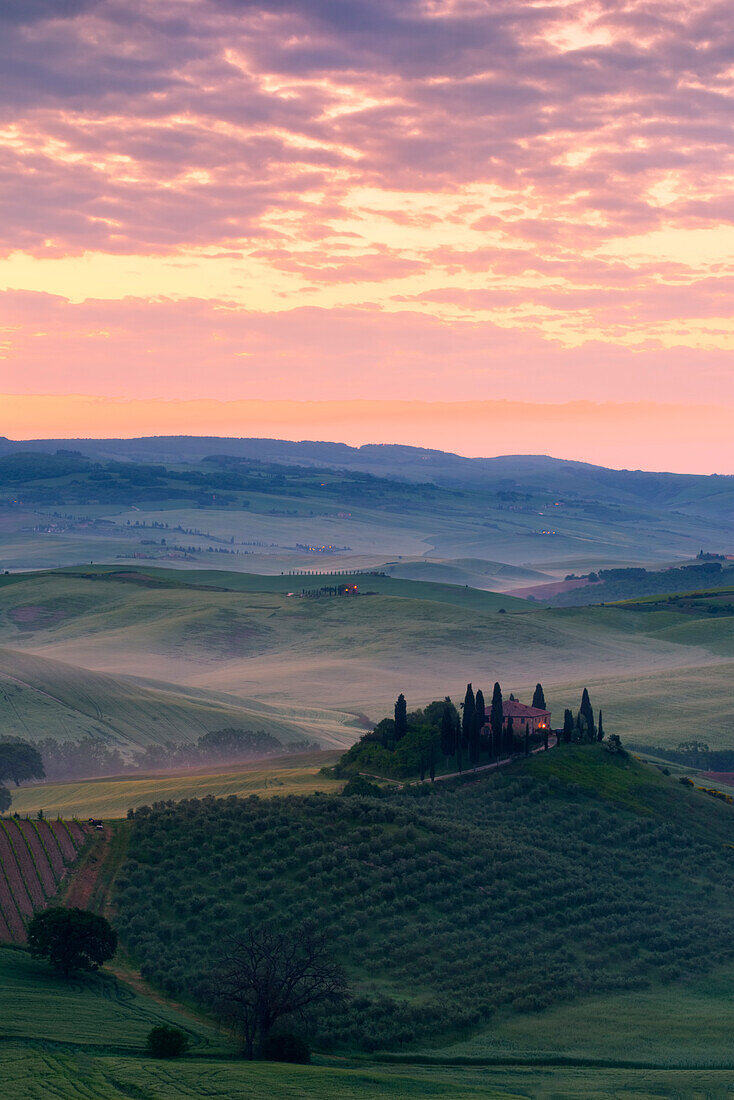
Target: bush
285, 1047
358, 785
166, 1042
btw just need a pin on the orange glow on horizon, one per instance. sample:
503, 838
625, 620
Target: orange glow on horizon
640, 435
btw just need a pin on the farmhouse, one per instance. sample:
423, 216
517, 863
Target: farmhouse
523, 717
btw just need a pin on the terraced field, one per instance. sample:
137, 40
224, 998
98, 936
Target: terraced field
34, 858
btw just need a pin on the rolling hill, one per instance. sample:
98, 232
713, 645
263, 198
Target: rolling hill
268, 506
42, 698
166, 654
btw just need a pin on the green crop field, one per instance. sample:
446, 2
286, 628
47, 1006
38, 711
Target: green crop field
111, 798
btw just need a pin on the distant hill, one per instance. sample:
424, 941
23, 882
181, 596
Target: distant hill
413, 463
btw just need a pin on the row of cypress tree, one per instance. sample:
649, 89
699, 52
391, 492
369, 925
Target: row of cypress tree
467, 734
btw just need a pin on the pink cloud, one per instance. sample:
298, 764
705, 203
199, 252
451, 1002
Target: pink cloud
267, 130
194, 347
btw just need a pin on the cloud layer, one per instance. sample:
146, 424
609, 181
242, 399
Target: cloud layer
453, 198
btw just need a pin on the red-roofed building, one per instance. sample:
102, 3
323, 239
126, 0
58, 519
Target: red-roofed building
523, 717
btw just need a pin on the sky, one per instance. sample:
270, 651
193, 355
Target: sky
492, 226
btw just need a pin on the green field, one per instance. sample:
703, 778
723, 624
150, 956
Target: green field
111, 798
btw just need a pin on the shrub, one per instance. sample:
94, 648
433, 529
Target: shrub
358, 785
166, 1042
284, 1047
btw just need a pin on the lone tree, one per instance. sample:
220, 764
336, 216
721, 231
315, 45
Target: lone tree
71, 939
457, 743
20, 762
600, 729
401, 717
265, 976
539, 697
510, 735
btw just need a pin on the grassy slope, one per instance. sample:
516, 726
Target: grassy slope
111, 798
308, 663
48, 698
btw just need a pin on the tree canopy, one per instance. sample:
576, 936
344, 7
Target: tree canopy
71, 939
20, 762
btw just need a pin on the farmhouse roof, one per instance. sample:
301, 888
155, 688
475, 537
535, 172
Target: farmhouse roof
512, 709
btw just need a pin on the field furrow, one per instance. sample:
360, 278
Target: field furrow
11, 914
76, 832
14, 876
48, 838
26, 862
34, 842
68, 849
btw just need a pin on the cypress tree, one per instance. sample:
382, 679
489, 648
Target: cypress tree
568, 725
539, 697
600, 730
587, 713
545, 739
447, 734
401, 717
496, 715
510, 735
527, 740
467, 717
480, 707
474, 740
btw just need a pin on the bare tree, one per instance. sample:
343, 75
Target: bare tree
265, 976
